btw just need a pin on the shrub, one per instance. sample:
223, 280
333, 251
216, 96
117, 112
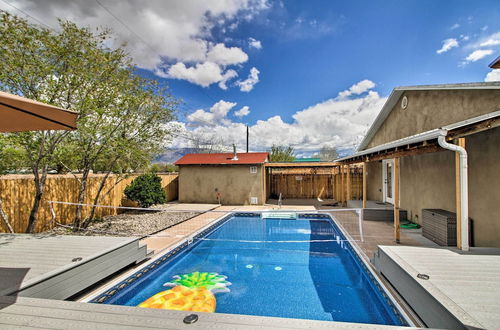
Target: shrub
146, 190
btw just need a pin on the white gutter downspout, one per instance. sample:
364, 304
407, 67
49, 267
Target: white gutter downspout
464, 200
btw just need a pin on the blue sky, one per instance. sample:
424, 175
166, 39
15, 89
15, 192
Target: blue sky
304, 73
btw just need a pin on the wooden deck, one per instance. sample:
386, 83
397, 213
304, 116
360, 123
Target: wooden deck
57, 267
23, 313
462, 291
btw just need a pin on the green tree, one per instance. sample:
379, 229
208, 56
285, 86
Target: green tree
281, 154
12, 156
122, 117
146, 190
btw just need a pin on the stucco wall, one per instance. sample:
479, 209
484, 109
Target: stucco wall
433, 109
235, 183
428, 181
484, 186
374, 181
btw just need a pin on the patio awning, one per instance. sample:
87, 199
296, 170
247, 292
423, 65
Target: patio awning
20, 114
422, 140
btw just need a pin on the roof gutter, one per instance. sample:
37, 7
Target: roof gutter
464, 196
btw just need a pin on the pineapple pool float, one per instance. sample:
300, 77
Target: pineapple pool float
190, 292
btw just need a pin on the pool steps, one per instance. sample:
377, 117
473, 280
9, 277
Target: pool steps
279, 215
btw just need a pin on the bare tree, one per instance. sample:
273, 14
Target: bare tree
327, 153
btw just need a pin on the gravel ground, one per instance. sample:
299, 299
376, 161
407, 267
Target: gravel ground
130, 224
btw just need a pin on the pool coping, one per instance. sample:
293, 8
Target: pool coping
108, 291
164, 254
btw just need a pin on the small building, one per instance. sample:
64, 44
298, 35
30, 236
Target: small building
495, 64
228, 178
408, 162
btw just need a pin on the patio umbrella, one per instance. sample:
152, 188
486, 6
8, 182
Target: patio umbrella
19, 114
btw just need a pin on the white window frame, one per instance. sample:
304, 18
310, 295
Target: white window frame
253, 169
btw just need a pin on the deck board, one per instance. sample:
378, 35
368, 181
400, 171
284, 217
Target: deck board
41, 265
466, 285
54, 314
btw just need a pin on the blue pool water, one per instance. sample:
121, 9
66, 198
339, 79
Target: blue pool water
308, 280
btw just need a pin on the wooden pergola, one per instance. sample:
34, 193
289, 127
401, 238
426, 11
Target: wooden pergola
420, 144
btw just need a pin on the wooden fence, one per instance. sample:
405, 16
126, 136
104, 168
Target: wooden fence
315, 185
17, 193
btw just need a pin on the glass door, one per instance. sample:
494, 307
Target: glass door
388, 180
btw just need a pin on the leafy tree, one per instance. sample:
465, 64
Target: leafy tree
163, 167
122, 116
327, 153
281, 154
12, 156
146, 190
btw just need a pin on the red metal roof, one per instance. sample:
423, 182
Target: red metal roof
223, 158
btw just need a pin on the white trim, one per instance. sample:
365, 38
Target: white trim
424, 136
398, 91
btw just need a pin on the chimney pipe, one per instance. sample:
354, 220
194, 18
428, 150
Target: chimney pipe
247, 139
235, 155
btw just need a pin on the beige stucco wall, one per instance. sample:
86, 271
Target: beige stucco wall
484, 186
374, 181
428, 181
428, 110
236, 184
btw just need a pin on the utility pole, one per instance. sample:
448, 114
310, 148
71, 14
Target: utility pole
247, 138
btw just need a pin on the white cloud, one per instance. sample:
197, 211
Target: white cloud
248, 84
254, 43
169, 31
447, 45
334, 122
203, 74
244, 111
228, 75
492, 40
357, 89
221, 54
216, 114
454, 26
478, 54
493, 75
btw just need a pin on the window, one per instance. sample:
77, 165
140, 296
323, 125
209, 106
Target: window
253, 169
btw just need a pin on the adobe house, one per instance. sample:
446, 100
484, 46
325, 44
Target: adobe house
437, 147
228, 178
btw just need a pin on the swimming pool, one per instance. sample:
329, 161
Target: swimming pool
301, 268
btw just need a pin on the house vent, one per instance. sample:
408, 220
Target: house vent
404, 102
254, 200
253, 169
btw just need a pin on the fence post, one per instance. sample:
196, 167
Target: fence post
360, 220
